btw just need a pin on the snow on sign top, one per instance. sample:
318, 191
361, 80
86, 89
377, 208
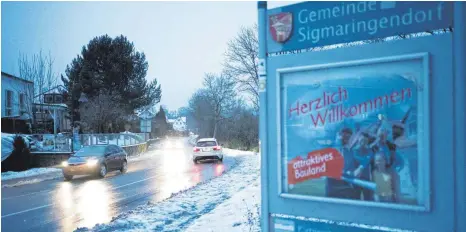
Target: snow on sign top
313, 24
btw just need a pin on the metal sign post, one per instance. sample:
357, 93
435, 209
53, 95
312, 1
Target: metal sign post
355, 121
262, 26
459, 46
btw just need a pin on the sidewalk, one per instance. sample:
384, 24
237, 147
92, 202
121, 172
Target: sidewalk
239, 213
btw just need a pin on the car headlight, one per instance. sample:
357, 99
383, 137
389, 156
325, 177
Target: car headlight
64, 163
91, 162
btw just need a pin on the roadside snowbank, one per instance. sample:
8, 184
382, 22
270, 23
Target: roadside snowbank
239, 213
29, 173
182, 209
7, 145
192, 139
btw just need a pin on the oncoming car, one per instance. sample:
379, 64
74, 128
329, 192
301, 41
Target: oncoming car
95, 160
173, 144
207, 149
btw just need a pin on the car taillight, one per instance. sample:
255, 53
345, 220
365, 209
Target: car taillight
196, 149
217, 148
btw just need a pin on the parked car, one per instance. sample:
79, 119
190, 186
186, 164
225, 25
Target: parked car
95, 160
207, 149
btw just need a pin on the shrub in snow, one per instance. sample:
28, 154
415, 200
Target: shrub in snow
20, 159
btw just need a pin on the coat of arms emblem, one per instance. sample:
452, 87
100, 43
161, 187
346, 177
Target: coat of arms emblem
281, 26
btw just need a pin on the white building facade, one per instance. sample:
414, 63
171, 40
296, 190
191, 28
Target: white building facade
17, 97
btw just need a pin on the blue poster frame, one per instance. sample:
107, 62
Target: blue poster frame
423, 125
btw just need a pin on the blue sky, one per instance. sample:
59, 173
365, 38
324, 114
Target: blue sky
181, 40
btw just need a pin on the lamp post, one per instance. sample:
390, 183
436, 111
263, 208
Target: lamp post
75, 131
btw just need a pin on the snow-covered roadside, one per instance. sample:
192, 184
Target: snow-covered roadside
29, 173
238, 214
31, 176
182, 209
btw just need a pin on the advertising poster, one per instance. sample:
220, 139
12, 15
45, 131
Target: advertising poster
351, 135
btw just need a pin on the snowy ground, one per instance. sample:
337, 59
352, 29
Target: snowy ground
29, 173
240, 213
183, 209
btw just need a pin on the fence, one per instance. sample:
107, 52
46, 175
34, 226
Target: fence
63, 142
123, 139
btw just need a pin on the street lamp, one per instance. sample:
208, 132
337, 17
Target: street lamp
75, 134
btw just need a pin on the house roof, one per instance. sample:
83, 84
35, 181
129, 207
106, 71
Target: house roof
60, 105
145, 114
15, 77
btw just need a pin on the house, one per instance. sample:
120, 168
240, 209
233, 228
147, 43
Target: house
50, 111
179, 124
17, 98
145, 119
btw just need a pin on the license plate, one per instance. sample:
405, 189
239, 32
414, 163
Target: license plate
206, 149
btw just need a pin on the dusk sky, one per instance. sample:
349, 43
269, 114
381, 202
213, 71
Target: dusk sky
181, 40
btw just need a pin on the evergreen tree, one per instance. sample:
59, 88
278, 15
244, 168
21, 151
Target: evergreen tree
113, 65
161, 122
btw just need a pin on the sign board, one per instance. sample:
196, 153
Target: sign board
348, 139
312, 24
355, 124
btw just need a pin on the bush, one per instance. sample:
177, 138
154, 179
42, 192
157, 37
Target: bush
20, 159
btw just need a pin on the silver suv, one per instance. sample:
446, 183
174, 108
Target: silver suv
207, 149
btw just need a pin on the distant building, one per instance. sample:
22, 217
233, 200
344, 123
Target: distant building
145, 120
17, 98
179, 124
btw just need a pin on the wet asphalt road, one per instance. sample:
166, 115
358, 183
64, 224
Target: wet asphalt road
56, 205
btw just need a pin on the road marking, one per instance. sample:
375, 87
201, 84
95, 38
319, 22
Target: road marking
27, 194
45, 206
121, 186
27, 210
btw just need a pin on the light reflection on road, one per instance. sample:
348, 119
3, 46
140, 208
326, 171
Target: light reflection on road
88, 203
179, 172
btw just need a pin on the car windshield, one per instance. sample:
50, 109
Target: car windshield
206, 144
91, 151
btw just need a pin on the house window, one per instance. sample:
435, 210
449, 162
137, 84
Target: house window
22, 102
145, 125
48, 98
9, 103
58, 99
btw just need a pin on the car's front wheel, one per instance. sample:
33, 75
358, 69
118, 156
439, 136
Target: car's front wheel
124, 167
67, 177
102, 171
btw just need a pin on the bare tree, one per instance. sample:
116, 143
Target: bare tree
39, 69
241, 130
241, 62
212, 104
201, 109
100, 111
220, 92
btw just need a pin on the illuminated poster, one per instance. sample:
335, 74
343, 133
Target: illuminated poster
351, 133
